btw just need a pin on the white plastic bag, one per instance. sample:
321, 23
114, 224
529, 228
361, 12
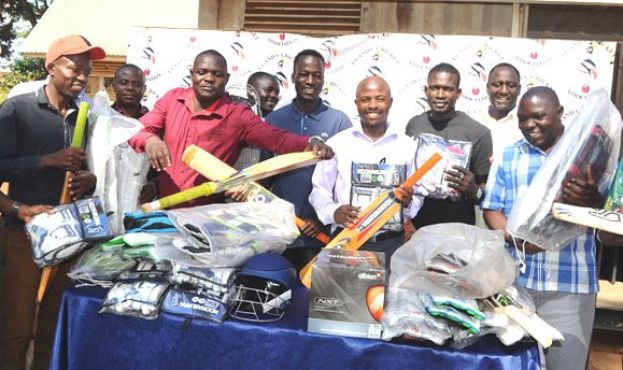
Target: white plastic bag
453, 259
226, 235
597, 125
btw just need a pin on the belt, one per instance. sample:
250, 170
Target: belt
386, 236
379, 236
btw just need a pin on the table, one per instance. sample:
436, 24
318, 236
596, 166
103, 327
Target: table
88, 340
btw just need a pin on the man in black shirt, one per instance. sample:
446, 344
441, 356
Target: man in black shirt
443, 120
35, 133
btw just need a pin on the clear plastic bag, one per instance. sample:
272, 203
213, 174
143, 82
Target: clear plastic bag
139, 299
226, 235
120, 171
454, 152
100, 267
453, 259
592, 138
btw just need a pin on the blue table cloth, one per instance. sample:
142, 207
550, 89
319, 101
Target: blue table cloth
88, 340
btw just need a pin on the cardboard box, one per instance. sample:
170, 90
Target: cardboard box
347, 293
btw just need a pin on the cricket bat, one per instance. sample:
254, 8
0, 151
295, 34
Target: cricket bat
76, 142
610, 221
262, 170
213, 168
377, 214
47, 274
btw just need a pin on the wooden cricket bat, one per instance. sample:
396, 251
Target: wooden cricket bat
213, 168
262, 170
610, 221
377, 214
47, 274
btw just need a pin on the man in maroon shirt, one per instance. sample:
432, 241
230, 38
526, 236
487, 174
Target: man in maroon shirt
204, 115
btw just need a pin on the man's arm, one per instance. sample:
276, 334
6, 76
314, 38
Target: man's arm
24, 212
321, 196
149, 140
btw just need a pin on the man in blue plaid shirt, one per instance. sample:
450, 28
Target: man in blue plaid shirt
563, 283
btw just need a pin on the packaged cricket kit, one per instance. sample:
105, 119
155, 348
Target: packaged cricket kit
58, 236
369, 180
454, 152
347, 293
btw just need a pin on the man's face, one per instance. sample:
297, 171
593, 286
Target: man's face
209, 77
70, 74
503, 89
373, 103
308, 77
442, 91
539, 121
129, 87
268, 91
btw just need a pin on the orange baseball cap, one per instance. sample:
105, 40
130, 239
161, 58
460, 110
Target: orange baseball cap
72, 45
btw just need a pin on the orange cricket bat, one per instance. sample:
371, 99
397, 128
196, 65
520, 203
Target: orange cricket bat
377, 214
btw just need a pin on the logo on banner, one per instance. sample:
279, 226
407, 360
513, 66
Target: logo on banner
283, 79
282, 39
333, 88
329, 51
374, 55
149, 54
238, 49
535, 55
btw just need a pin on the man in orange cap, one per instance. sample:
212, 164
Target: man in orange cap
35, 133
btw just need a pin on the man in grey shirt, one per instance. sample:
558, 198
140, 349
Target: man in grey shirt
442, 91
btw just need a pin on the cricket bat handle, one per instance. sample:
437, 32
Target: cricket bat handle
66, 193
199, 191
322, 237
537, 332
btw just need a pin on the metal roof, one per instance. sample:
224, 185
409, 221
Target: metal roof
106, 22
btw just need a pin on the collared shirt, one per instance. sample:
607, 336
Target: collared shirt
143, 110
221, 129
572, 268
504, 131
295, 186
31, 127
332, 178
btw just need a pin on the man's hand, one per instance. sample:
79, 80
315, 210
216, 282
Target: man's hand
610, 239
409, 230
81, 183
346, 215
157, 152
404, 195
463, 180
68, 159
312, 227
26, 213
583, 191
320, 149
148, 193
237, 194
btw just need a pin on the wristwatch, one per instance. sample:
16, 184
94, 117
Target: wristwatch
317, 138
15, 208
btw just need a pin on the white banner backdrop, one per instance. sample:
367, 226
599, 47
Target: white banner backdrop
571, 68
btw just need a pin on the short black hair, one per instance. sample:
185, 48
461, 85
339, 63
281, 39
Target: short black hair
446, 67
544, 92
504, 65
260, 75
307, 52
128, 66
212, 53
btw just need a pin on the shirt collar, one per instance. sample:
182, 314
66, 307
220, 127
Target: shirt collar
526, 147
42, 99
297, 113
389, 133
219, 107
141, 112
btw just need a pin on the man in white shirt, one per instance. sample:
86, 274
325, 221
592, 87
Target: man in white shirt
503, 88
372, 145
